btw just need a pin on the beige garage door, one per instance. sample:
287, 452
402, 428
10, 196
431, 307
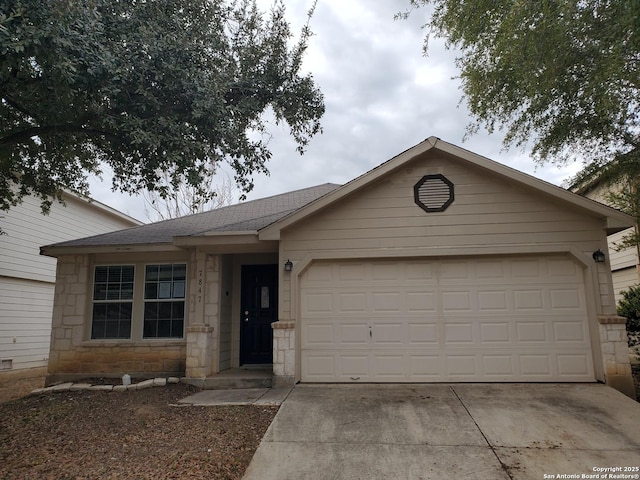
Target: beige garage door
493, 320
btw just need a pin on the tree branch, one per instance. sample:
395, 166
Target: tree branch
13, 103
43, 131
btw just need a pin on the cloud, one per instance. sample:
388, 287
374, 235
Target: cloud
382, 96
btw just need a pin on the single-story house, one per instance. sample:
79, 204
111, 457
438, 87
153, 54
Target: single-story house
27, 279
439, 265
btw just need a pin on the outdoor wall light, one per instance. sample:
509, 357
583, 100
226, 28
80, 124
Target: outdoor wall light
598, 256
288, 266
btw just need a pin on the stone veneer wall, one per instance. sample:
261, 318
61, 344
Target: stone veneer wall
72, 356
204, 306
615, 353
284, 353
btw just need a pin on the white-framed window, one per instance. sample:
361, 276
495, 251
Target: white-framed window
113, 287
164, 294
138, 301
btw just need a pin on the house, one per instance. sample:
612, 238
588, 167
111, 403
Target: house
625, 263
437, 266
27, 279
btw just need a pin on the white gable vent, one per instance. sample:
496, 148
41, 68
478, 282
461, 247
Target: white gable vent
433, 193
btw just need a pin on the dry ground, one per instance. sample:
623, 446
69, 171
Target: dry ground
125, 435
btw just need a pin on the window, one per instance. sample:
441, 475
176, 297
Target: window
164, 293
112, 301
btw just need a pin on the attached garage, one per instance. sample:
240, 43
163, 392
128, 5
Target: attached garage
498, 319
443, 266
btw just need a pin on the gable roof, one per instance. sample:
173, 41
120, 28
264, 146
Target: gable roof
263, 219
614, 219
247, 217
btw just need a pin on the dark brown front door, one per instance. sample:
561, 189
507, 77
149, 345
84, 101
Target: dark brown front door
258, 310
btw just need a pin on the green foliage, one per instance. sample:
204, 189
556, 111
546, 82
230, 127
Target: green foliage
147, 88
629, 307
564, 75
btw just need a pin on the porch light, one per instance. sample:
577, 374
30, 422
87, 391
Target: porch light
598, 256
288, 266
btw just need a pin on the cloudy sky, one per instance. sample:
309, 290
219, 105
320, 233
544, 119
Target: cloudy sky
382, 96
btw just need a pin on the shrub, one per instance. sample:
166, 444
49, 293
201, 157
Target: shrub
629, 307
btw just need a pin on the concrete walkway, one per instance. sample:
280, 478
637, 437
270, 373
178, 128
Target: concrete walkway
238, 396
463, 431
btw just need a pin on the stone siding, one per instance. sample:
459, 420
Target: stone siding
615, 353
284, 353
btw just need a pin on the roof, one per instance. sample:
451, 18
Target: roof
265, 218
614, 220
244, 217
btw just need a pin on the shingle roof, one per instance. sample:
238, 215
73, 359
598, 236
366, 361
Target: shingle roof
247, 216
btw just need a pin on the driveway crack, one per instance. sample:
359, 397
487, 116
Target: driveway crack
504, 467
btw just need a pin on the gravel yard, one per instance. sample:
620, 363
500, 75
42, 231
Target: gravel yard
124, 435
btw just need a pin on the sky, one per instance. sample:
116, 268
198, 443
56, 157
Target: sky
382, 96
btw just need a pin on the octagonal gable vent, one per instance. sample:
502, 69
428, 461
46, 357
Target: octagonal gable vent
433, 193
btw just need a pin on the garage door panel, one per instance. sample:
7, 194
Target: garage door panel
499, 319
493, 301
566, 299
532, 332
529, 299
535, 366
565, 331
318, 303
458, 333
352, 302
572, 364
498, 366
319, 336
353, 334
456, 301
423, 334
421, 302
495, 332
389, 334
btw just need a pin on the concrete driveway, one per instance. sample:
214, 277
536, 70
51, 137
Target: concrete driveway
462, 431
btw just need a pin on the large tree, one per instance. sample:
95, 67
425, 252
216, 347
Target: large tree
149, 88
561, 75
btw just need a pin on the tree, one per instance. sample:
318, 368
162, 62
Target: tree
564, 75
186, 200
629, 307
149, 88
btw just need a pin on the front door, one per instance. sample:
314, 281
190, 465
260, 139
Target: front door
258, 310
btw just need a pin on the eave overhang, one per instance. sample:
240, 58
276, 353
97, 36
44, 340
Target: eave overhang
54, 251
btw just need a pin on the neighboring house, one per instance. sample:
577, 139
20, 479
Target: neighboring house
27, 279
625, 268
437, 266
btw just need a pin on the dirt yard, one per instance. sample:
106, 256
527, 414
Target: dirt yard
124, 435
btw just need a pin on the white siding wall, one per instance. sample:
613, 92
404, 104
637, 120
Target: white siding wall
27, 279
25, 321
